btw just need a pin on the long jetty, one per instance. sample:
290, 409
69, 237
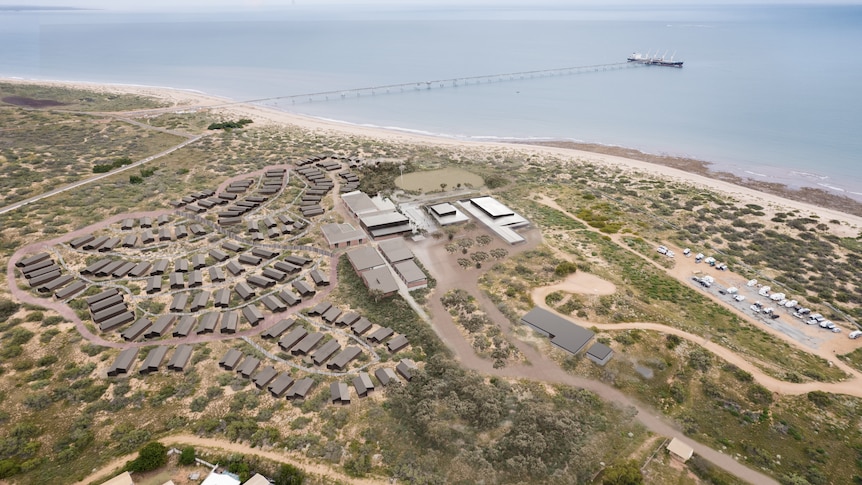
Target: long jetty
440, 83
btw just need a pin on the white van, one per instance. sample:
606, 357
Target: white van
855, 334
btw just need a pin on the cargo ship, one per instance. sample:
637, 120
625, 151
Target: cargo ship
653, 60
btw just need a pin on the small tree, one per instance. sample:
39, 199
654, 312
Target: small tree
289, 475
152, 456
625, 473
187, 457
443, 187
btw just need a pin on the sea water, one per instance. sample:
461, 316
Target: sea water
768, 92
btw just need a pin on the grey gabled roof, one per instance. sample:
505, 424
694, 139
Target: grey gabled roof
181, 358
326, 351
362, 383
278, 387
279, 328
340, 361
154, 359
123, 363
264, 376
300, 388
397, 344
230, 359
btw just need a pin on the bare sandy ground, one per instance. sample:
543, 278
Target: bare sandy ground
183, 100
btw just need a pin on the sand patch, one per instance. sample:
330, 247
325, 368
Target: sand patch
585, 284
431, 180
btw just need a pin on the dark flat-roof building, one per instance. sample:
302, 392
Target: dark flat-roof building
562, 332
600, 353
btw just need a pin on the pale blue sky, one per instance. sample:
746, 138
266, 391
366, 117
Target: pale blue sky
262, 4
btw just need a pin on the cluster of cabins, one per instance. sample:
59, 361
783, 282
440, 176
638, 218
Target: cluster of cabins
125, 361
359, 325
278, 384
567, 335
319, 184
44, 274
148, 235
374, 270
340, 393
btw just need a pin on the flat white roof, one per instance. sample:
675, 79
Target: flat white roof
410, 271
505, 231
680, 449
492, 206
220, 479
359, 202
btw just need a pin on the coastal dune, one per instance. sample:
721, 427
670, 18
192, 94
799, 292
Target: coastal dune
185, 100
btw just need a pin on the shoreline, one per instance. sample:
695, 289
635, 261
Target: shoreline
695, 172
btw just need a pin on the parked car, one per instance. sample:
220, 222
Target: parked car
855, 334
739, 298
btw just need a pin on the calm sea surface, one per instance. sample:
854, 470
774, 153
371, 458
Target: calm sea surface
768, 92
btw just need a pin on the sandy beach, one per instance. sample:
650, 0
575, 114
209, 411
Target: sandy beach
687, 171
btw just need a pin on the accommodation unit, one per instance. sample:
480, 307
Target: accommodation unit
279, 328
231, 246
154, 360
397, 344
177, 281
218, 255
165, 234
181, 231
563, 333
331, 315
274, 274
265, 253
362, 384
319, 277
235, 268
116, 321
130, 241
361, 326
286, 267
79, 242
199, 261
147, 237
273, 304
303, 288
197, 229
109, 245
244, 291
95, 243
325, 351
253, 315
199, 302
380, 279
221, 298
123, 363
178, 304
56, 283
137, 329
90, 300
250, 259
340, 393
347, 318
319, 309
297, 260
30, 260
248, 366
163, 219
229, 322
110, 301
216, 274
181, 265
380, 335
159, 267
230, 359
292, 338
600, 353
300, 388
307, 344
180, 360
184, 327
343, 358
70, 291
140, 269
111, 311
92, 268
279, 386
288, 297
107, 269
264, 376
386, 376
208, 323
160, 326
260, 281
407, 368
123, 269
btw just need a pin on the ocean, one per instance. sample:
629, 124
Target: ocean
767, 92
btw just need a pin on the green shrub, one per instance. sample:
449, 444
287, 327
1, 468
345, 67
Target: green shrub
152, 456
